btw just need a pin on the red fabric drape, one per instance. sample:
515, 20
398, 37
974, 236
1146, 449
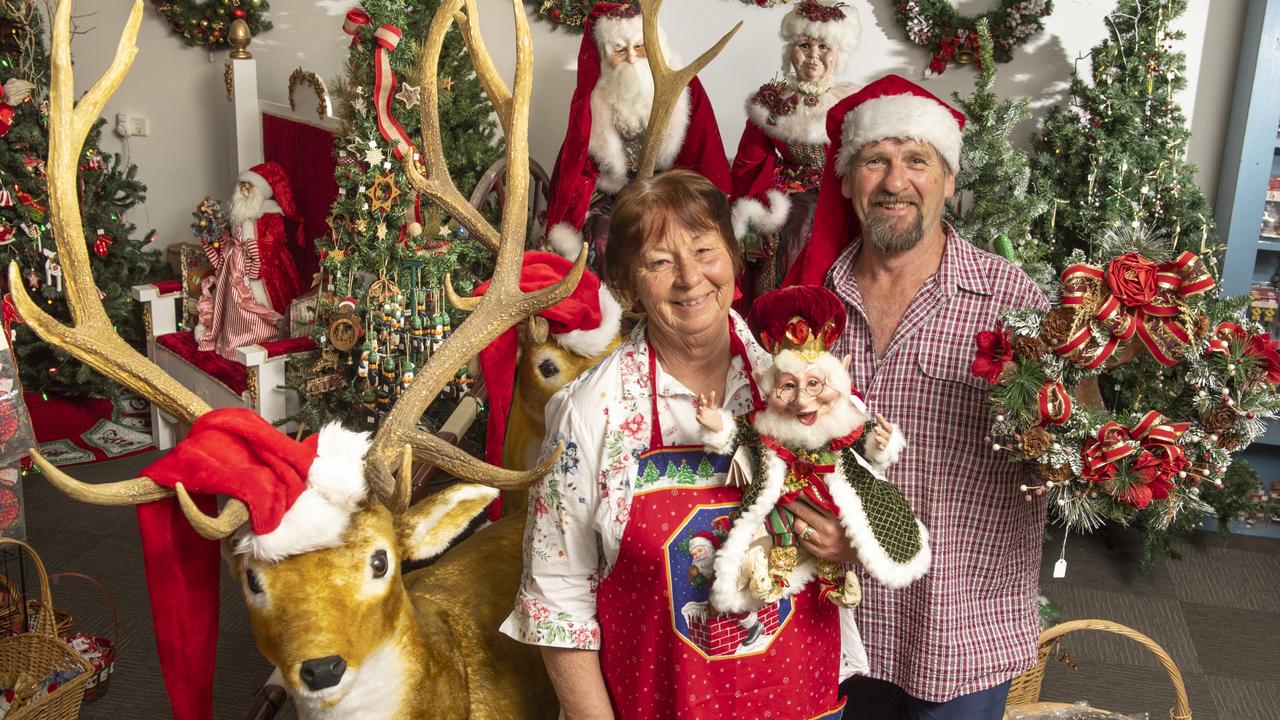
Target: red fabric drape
306, 154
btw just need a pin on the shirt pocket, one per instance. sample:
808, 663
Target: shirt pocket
950, 390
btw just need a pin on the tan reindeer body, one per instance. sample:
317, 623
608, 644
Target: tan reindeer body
353, 638
416, 646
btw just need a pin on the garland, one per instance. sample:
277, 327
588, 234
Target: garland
207, 24
1190, 380
569, 14
952, 37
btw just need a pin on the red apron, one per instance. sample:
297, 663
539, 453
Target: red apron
664, 653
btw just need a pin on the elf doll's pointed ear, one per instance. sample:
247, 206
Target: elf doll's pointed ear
847, 361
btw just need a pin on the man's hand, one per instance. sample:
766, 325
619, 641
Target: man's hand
709, 413
821, 533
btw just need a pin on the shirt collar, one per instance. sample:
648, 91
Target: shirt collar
960, 268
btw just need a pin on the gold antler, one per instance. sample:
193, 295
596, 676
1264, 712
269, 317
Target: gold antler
504, 304
667, 83
90, 337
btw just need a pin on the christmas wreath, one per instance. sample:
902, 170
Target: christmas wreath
1131, 392
952, 37
207, 24
569, 14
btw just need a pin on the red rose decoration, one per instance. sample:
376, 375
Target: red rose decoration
1263, 349
1132, 279
994, 353
6, 118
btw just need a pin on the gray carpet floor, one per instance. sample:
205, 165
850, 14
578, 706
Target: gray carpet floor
1217, 612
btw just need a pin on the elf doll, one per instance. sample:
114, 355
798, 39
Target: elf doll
803, 446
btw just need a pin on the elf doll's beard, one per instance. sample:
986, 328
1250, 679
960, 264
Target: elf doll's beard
628, 91
245, 207
840, 419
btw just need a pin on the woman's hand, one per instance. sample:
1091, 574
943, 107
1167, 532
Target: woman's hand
821, 534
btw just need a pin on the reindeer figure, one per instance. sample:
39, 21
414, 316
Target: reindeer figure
352, 636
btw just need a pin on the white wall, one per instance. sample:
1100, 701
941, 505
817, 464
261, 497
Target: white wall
181, 89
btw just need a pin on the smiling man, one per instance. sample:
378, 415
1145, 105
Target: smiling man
916, 293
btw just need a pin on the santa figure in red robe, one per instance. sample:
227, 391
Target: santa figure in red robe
262, 211
608, 120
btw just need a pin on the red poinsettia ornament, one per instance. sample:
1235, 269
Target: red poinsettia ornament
1263, 349
995, 353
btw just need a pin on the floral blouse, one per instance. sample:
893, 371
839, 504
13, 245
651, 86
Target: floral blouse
578, 513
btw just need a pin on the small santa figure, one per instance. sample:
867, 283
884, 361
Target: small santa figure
778, 167
802, 448
254, 277
608, 121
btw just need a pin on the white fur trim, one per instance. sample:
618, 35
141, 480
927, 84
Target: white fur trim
428, 537
842, 35
804, 125
882, 459
751, 214
719, 442
606, 149
319, 517
858, 529
610, 32
729, 592
565, 240
591, 342
900, 116
257, 181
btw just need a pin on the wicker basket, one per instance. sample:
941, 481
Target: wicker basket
40, 652
1024, 691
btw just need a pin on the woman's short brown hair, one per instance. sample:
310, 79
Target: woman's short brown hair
645, 210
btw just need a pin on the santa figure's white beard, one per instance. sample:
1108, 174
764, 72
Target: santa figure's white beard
628, 92
246, 207
842, 419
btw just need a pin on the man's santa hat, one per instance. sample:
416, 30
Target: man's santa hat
833, 23
270, 179
300, 496
585, 323
592, 155
891, 107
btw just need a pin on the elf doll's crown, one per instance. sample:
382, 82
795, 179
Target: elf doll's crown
805, 319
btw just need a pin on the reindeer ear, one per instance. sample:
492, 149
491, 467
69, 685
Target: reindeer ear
428, 528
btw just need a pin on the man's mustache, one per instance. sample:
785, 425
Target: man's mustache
882, 197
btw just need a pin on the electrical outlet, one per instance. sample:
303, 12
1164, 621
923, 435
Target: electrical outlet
128, 125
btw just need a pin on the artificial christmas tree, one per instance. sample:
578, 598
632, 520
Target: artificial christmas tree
381, 229
108, 189
1115, 154
995, 210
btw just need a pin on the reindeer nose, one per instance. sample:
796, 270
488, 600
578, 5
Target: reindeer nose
325, 672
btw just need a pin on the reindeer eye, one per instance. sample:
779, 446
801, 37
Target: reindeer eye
378, 563
547, 368
251, 579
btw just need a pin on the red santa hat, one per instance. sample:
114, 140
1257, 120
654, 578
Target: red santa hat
707, 537
835, 24
891, 107
270, 179
583, 323
300, 496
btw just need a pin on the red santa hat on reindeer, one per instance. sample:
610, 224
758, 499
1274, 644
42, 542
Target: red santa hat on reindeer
300, 496
891, 107
585, 323
610, 107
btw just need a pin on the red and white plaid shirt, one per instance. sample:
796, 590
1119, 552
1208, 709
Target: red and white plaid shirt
971, 622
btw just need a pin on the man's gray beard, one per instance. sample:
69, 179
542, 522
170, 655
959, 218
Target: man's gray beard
245, 207
628, 90
883, 232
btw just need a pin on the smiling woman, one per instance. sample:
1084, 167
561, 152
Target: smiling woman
623, 533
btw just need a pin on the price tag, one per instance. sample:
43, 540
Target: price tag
1060, 568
